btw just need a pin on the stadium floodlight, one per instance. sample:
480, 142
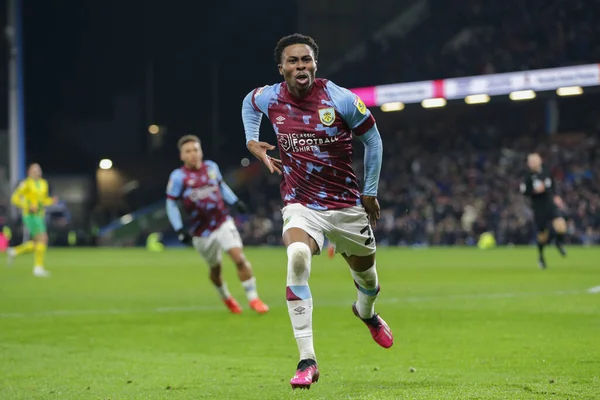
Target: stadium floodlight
393, 106
522, 95
105, 164
569, 91
154, 129
433, 103
477, 99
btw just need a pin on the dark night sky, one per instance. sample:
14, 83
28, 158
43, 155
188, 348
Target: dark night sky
80, 53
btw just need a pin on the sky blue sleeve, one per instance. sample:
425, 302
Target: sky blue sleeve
175, 185
174, 189
373, 156
250, 118
255, 104
349, 105
228, 194
174, 215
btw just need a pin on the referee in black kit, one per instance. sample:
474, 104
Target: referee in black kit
546, 204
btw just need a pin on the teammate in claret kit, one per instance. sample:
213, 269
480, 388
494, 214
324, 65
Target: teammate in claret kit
199, 186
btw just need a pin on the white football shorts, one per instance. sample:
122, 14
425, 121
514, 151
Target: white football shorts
211, 247
347, 228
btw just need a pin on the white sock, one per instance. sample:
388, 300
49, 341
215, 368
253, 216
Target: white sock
250, 288
301, 317
367, 286
299, 298
223, 291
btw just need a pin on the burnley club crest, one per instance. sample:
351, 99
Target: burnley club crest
327, 116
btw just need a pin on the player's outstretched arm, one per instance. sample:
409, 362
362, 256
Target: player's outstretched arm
174, 189
373, 158
251, 119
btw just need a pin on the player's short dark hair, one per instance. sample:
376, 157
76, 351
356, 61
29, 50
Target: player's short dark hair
186, 139
296, 38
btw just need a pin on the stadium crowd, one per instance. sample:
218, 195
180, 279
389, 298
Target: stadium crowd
476, 37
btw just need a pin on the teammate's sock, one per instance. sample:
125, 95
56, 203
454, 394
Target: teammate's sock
223, 291
24, 248
250, 288
299, 298
368, 287
40, 254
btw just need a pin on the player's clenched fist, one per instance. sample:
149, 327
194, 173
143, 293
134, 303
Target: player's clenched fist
371, 206
259, 150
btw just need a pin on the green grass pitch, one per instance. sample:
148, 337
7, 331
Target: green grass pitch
468, 324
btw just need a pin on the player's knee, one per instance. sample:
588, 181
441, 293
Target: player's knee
542, 237
41, 238
236, 255
361, 263
215, 269
299, 255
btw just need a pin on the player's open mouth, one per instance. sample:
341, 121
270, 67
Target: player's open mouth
302, 79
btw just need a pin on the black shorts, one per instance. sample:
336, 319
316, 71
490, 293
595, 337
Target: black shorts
543, 218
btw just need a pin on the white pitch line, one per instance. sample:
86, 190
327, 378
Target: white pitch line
594, 290
385, 300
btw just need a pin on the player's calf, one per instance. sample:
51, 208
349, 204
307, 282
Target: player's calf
222, 289
248, 280
299, 298
364, 272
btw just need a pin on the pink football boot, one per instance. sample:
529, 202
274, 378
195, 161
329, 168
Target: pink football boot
306, 374
380, 331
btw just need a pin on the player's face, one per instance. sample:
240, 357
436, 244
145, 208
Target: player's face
534, 162
298, 67
191, 154
35, 171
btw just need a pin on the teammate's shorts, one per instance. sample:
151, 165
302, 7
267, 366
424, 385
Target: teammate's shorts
543, 218
35, 224
347, 228
211, 247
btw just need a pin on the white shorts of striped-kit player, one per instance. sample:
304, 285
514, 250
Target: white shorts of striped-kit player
211, 247
347, 228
